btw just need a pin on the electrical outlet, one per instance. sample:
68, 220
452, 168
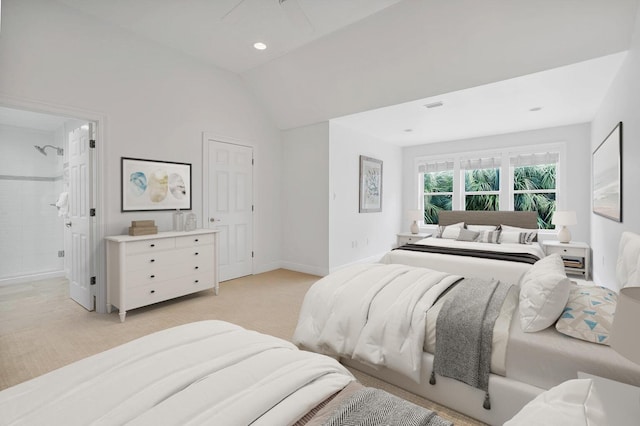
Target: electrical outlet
60, 253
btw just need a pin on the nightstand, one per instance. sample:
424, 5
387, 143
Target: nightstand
576, 256
409, 238
621, 401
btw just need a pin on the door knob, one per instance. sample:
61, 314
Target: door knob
211, 219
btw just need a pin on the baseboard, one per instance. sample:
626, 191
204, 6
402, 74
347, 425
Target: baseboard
306, 269
33, 277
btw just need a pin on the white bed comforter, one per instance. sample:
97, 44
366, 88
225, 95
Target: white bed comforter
374, 313
208, 372
505, 271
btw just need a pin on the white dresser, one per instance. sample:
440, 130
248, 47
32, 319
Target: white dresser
147, 269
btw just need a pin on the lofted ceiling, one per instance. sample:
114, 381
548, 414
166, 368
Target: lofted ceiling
490, 61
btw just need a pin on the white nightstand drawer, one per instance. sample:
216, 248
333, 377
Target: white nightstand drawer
409, 238
569, 251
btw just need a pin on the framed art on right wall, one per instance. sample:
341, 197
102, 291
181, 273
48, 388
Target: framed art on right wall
607, 176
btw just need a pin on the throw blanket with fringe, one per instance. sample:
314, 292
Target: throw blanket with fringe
464, 331
371, 406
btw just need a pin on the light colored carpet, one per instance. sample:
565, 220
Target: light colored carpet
41, 329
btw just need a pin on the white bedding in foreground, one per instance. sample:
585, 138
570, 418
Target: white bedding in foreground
373, 313
208, 372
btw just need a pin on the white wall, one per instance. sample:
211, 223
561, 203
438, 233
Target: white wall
576, 139
622, 103
305, 218
156, 103
355, 236
31, 232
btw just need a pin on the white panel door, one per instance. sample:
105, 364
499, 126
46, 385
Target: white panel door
79, 221
230, 206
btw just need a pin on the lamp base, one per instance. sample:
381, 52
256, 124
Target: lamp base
415, 228
564, 236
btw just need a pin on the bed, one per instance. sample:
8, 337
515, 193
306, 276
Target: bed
473, 264
376, 335
208, 372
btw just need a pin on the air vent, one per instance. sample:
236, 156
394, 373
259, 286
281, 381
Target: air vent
434, 104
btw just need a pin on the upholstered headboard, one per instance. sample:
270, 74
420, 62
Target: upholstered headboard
520, 219
628, 264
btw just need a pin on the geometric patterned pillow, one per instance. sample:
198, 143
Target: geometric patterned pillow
588, 314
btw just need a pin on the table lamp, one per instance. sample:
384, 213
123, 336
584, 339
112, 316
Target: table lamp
415, 216
564, 219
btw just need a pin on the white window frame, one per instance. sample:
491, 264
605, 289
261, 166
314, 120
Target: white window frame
506, 192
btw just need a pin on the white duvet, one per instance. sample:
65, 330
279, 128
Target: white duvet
374, 313
208, 372
505, 271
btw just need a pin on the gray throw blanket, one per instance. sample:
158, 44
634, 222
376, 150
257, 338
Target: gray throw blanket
464, 332
371, 406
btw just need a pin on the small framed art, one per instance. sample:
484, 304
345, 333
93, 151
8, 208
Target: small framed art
370, 185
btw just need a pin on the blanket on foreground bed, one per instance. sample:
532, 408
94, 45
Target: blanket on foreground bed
208, 372
374, 313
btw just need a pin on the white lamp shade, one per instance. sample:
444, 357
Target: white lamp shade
414, 215
624, 333
564, 218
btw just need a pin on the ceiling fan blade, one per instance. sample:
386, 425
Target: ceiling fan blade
295, 14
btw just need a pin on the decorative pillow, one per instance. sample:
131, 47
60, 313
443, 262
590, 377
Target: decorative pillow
489, 237
513, 234
467, 235
589, 313
479, 228
572, 403
450, 231
544, 291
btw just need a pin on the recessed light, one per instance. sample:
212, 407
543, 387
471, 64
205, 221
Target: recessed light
434, 104
260, 46
534, 109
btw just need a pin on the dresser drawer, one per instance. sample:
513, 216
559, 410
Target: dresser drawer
194, 240
165, 290
150, 245
151, 260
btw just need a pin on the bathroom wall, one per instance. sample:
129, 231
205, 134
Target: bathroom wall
31, 232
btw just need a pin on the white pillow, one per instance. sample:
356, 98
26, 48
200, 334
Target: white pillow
489, 237
513, 234
479, 228
572, 403
450, 231
544, 291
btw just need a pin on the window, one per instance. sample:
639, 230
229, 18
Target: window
437, 181
534, 185
481, 183
524, 180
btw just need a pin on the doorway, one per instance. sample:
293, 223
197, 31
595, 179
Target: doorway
43, 184
228, 204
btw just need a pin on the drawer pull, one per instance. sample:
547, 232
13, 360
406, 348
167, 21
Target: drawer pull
152, 276
196, 267
152, 260
152, 245
152, 291
196, 281
197, 253
196, 240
